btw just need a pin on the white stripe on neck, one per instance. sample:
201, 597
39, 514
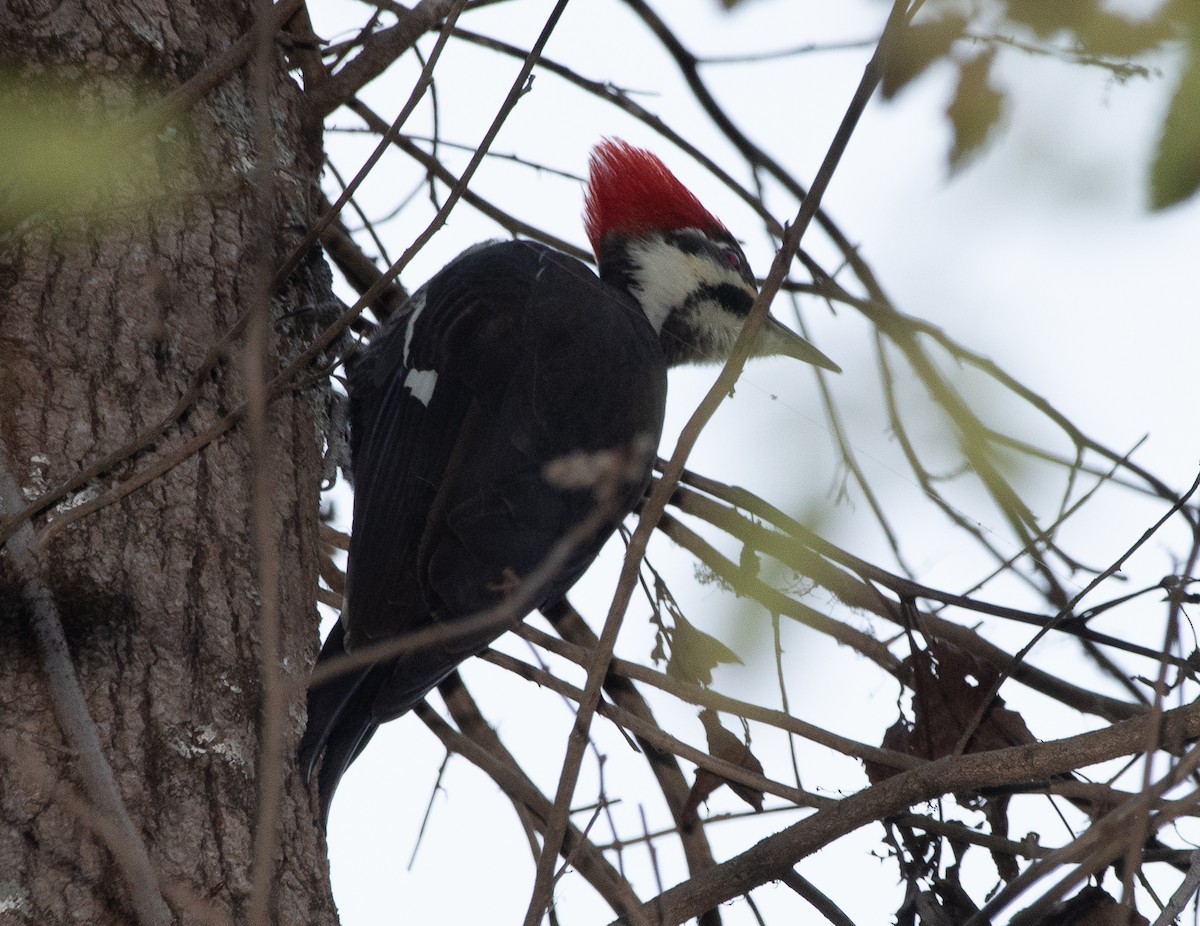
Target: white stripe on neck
664, 277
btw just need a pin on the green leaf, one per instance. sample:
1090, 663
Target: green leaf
1175, 174
62, 150
975, 110
1048, 17
1107, 33
919, 46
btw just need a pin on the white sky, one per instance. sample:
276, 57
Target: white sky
1041, 255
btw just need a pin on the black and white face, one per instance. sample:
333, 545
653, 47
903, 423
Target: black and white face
696, 289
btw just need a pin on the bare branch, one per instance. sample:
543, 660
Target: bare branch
75, 720
378, 53
768, 858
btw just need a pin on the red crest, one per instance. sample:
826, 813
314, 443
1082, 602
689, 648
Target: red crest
630, 191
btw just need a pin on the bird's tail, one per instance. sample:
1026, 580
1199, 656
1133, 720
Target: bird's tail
340, 720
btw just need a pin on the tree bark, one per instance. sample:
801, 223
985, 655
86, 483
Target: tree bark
108, 306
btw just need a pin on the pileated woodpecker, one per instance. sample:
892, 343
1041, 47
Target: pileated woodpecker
512, 357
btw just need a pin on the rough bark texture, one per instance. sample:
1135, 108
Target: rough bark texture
105, 312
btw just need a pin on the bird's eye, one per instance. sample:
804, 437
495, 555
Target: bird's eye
734, 259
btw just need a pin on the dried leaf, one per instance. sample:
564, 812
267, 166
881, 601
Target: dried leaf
919, 46
949, 686
975, 110
946, 905
1092, 906
1048, 19
996, 809
1108, 33
723, 745
1175, 174
694, 653
955, 900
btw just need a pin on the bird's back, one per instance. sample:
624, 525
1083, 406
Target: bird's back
510, 358
535, 359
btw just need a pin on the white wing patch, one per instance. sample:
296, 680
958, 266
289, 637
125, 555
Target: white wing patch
421, 383
418, 306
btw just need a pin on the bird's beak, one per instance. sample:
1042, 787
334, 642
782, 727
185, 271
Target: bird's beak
776, 339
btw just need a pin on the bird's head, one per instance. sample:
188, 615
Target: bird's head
653, 238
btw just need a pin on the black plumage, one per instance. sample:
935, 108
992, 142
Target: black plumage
513, 357
535, 359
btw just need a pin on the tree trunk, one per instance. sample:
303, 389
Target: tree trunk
112, 292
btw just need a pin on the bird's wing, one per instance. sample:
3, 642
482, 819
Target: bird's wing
510, 357
409, 399
582, 372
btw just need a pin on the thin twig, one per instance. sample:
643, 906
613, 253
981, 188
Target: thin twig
764, 861
379, 51
817, 898
705, 697
1067, 610
420, 86
1187, 887
1104, 840
661, 740
500, 766
577, 634
661, 493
